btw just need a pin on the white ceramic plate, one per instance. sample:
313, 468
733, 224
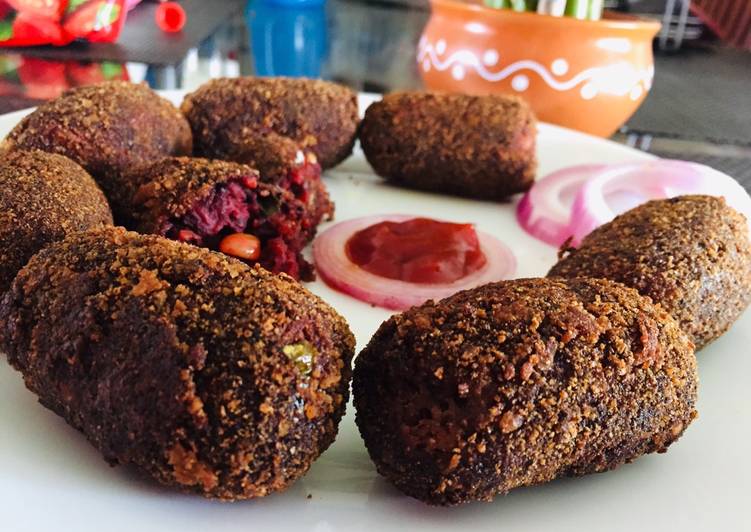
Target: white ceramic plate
52, 479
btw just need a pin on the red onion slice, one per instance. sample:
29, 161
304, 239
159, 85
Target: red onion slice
545, 210
654, 180
570, 203
592, 208
335, 268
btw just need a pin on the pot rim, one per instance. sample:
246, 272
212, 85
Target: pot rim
611, 20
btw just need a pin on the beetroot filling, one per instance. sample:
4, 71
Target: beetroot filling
300, 178
224, 208
237, 207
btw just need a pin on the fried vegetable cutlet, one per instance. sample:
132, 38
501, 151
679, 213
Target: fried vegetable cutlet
518, 383
210, 376
475, 146
108, 128
43, 198
690, 254
319, 116
223, 206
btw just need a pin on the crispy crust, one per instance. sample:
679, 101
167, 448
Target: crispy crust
520, 382
476, 146
43, 197
317, 115
691, 254
172, 358
108, 128
270, 155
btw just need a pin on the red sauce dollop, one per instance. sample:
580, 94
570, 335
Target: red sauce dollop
420, 250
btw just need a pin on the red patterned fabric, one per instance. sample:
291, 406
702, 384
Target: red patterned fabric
729, 19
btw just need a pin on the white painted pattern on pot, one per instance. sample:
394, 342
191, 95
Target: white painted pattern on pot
620, 78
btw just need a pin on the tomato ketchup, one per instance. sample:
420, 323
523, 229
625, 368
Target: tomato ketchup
420, 250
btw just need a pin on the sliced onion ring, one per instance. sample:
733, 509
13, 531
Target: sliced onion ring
553, 214
545, 211
591, 207
655, 180
335, 268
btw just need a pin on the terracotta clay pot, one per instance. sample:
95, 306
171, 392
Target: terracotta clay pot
582, 74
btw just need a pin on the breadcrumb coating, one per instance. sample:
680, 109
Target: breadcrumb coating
319, 116
518, 383
43, 198
690, 254
476, 146
209, 376
108, 128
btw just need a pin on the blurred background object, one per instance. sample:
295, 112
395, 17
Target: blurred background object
582, 72
289, 37
374, 45
729, 19
696, 21
59, 22
26, 81
170, 17
676, 25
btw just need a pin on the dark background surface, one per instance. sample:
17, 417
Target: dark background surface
702, 94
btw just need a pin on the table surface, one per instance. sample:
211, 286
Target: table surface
699, 107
